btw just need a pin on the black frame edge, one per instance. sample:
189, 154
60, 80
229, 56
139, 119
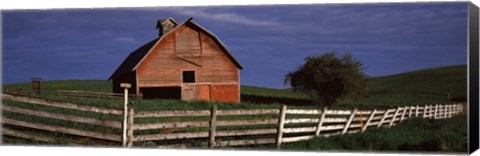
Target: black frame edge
473, 108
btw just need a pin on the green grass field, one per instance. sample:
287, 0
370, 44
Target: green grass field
421, 87
429, 86
418, 134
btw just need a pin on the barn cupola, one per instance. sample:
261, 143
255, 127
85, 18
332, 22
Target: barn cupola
165, 25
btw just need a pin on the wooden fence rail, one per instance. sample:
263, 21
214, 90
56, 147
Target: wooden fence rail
219, 128
344, 124
66, 105
9, 107
107, 123
92, 134
91, 94
327, 123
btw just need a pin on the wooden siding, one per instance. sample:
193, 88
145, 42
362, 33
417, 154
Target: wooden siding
164, 66
187, 42
203, 92
211, 92
225, 93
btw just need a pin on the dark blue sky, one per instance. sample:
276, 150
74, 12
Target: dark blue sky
269, 41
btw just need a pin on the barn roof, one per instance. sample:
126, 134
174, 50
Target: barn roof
220, 43
136, 57
131, 61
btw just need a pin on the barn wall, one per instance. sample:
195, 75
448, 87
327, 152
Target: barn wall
126, 78
225, 93
211, 92
203, 92
164, 65
161, 67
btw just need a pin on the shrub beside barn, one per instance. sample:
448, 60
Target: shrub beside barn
185, 62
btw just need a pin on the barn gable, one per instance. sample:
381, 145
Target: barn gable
135, 58
186, 62
190, 23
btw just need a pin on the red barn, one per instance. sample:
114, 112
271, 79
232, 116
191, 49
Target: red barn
185, 62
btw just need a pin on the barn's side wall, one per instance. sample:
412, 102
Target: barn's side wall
164, 66
212, 92
225, 93
126, 78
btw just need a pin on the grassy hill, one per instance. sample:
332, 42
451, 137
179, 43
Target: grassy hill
428, 86
420, 87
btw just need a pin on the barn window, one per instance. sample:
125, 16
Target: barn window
188, 76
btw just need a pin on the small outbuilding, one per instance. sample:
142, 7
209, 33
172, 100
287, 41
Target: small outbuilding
186, 62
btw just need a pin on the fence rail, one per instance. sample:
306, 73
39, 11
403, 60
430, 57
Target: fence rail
98, 135
8, 107
218, 128
66, 105
91, 94
327, 123
108, 123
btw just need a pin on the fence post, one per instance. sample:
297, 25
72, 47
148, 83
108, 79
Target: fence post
425, 111
432, 112
320, 121
410, 111
403, 114
130, 127
213, 126
439, 114
383, 118
416, 111
428, 111
446, 111
281, 122
453, 109
125, 106
435, 113
394, 116
347, 125
369, 119
450, 111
